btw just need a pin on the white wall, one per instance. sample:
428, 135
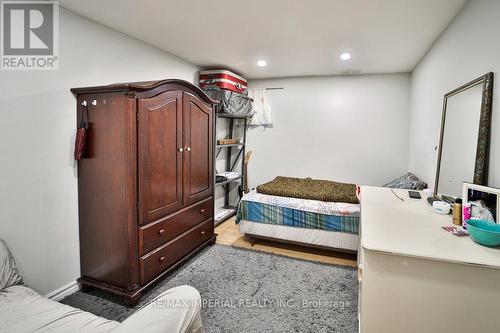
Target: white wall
466, 50
38, 196
349, 129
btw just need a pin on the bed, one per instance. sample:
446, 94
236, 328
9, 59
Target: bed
330, 225
311, 212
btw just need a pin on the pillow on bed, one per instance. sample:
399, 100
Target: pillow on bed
408, 182
9, 275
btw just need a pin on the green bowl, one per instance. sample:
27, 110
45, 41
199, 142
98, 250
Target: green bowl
484, 232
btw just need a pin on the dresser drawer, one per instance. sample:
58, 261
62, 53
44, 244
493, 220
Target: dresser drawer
157, 261
157, 233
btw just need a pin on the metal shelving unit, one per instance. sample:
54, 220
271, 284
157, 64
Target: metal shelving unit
230, 145
237, 179
231, 164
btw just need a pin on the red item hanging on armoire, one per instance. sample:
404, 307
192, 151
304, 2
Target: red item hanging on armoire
81, 134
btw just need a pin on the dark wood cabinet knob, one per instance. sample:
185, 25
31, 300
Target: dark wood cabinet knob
162, 259
161, 232
203, 233
203, 211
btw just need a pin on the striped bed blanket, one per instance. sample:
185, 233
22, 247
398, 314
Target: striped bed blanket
301, 213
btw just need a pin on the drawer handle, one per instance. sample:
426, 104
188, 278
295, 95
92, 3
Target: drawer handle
161, 232
203, 233
162, 259
203, 211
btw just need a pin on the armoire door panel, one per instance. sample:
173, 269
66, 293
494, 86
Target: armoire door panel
160, 161
198, 157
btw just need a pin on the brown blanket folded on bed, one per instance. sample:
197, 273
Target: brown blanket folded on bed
308, 188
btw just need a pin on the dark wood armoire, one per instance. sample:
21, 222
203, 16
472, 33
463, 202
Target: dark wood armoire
145, 183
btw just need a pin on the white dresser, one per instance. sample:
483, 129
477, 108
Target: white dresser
416, 277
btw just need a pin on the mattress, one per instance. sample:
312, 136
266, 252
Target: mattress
315, 237
299, 213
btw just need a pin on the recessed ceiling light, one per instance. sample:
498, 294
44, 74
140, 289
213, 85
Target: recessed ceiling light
261, 63
345, 56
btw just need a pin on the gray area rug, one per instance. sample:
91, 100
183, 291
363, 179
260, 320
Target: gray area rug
250, 291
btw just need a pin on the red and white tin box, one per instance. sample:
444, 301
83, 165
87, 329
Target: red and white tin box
223, 79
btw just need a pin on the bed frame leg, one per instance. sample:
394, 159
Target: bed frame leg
251, 240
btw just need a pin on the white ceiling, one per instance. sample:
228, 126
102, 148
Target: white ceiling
295, 37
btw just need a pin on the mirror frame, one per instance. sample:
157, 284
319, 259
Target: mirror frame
480, 176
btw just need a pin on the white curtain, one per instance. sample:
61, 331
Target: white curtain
261, 108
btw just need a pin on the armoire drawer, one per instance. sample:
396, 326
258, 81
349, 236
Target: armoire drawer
152, 264
157, 233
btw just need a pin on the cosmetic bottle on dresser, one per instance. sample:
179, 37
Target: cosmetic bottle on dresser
457, 212
466, 207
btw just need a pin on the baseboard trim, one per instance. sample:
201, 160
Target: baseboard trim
64, 291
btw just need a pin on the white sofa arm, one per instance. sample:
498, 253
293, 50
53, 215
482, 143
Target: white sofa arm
176, 310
